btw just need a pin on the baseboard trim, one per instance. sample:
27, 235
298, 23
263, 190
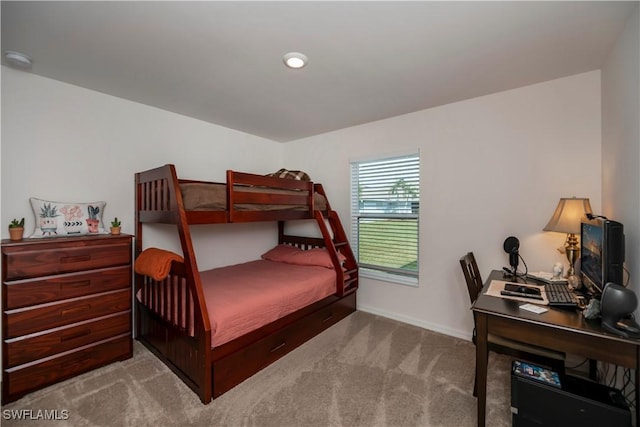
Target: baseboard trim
465, 335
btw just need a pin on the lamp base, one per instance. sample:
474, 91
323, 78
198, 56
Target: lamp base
572, 250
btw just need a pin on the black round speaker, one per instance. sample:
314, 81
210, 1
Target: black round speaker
616, 305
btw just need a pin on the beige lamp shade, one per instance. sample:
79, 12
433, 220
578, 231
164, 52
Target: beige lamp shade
569, 215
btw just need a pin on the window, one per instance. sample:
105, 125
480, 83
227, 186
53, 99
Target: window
385, 202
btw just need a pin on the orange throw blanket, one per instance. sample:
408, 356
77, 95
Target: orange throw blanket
156, 263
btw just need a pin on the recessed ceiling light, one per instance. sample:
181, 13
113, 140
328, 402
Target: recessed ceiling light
17, 59
295, 60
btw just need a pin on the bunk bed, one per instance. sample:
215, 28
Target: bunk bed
183, 315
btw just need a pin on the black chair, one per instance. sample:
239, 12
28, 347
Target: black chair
516, 349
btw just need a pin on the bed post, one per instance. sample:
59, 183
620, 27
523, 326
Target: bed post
193, 276
137, 249
158, 199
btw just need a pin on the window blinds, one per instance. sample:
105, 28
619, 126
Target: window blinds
385, 196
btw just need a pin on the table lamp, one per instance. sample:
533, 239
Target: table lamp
567, 219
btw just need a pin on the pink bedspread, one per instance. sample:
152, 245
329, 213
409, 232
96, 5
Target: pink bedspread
241, 298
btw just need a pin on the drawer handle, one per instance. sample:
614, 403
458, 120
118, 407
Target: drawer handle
76, 309
329, 317
80, 284
75, 335
278, 347
77, 258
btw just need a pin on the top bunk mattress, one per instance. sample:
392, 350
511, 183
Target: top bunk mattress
213, 197
244, 297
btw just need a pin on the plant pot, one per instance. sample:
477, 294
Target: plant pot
93, 225
115, 230
15, 233
49, 226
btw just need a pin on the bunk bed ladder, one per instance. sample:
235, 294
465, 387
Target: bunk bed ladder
343, 247
338, 243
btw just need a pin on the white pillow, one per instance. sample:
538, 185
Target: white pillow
59, 219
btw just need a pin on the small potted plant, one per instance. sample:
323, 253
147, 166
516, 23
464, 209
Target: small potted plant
16, 229
115, 226
93, 221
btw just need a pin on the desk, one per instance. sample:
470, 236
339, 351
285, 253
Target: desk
562, 330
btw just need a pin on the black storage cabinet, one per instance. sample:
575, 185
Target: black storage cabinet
578, 402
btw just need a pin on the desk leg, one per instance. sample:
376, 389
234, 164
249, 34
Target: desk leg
637, 390
482, 357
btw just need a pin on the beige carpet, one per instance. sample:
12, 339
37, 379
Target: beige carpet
365, 371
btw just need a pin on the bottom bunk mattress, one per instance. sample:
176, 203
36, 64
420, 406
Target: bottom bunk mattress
244, 297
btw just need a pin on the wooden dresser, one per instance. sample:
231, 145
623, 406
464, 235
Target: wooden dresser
66, 308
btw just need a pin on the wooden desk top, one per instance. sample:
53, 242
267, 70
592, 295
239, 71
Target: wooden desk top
559, 319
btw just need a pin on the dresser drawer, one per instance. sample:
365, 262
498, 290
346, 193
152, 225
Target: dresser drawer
35, 262
22, 293
36, 346
25, 378
37, 318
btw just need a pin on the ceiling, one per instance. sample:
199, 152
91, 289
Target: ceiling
221, 62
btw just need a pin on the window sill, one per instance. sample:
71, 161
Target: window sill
388, 277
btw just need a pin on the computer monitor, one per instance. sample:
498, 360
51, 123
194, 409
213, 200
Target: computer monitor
601, 253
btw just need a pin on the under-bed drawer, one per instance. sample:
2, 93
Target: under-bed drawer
34, 262
37, 318
36, 346
21, 293
25, 378
234, 368
327, 316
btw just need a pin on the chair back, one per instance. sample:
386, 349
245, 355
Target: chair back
471, 275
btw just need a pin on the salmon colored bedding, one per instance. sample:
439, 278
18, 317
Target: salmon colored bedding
241, 298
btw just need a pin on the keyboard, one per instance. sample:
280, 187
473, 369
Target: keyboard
559, 295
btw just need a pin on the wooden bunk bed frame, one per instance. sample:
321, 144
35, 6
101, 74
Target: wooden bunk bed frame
179, 332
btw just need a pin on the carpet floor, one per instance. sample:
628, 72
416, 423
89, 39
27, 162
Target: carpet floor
366, 370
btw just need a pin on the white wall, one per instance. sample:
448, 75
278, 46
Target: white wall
65, 143
621, 141
491, 167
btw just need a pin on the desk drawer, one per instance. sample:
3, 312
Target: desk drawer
25, 378
42, 262
38, 318
36, 346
